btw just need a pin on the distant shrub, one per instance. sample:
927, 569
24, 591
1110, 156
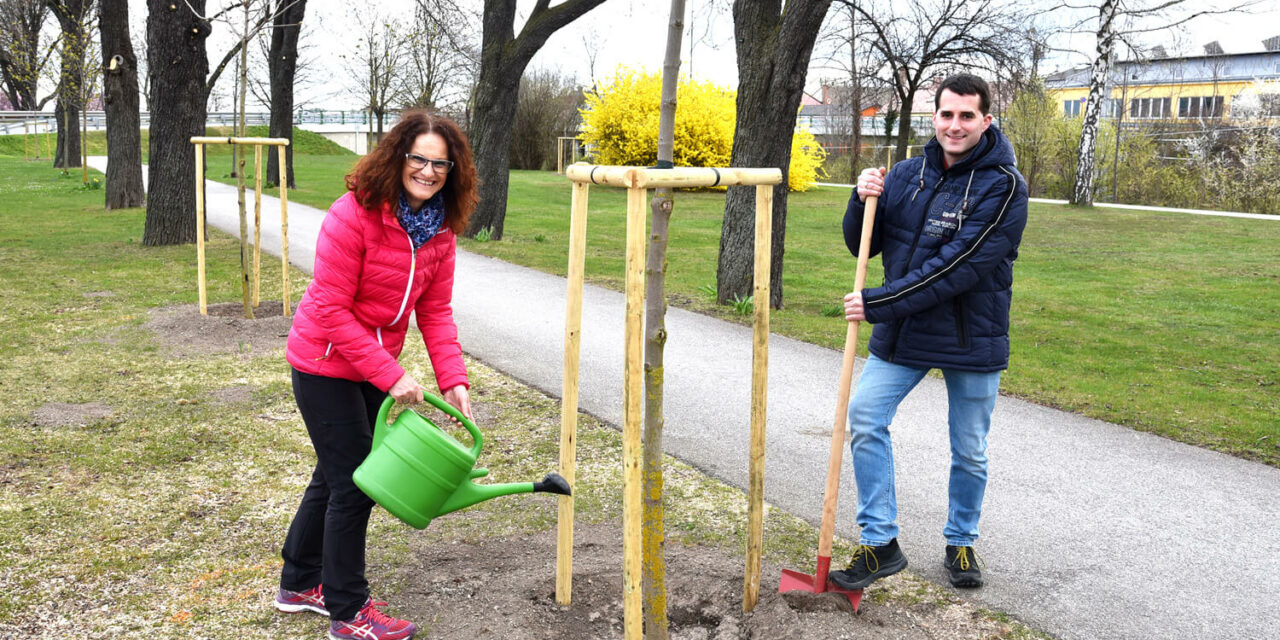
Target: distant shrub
620, 125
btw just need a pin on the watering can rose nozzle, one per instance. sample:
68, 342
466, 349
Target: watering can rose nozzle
553, 483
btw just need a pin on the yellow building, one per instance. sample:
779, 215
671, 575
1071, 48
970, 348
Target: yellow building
1215, 86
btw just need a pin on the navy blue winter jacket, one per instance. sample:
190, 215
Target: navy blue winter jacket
948, 239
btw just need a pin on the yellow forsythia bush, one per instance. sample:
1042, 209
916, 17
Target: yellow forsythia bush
620, 124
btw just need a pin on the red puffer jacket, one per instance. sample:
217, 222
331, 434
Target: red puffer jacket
352, 320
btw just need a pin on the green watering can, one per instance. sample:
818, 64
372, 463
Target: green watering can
417, 471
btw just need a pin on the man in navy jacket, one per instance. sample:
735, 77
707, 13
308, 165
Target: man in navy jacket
947, 228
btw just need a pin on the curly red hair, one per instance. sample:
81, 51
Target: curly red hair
376, 179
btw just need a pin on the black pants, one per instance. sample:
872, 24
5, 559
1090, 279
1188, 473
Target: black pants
326, 541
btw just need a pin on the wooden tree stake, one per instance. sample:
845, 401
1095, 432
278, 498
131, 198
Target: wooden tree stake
569, 386
759, 394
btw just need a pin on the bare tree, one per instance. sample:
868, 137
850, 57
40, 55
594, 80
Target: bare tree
373, 66
74, 17
922, 40
180, 79
23, 59
120, 98
548, 107
1120, 23
443, 57
655, 327
773, 49
503, 59
849, 50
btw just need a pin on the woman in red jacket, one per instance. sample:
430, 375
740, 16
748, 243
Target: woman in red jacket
386, 249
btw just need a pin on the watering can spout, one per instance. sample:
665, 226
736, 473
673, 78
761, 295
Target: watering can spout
469, 493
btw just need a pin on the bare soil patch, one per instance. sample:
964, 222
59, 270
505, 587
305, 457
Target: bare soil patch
505, 588
62, 415
185, 333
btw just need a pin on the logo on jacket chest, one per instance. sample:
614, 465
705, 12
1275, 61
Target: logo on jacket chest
945, 215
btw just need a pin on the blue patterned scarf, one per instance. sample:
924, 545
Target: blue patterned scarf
423, 224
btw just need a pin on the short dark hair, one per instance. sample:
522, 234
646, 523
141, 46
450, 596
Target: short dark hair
966, 84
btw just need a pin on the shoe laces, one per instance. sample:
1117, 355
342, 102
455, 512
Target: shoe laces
370, 613
867, 552
962, 558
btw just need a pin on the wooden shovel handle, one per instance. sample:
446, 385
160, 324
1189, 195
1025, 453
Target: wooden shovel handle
842, 403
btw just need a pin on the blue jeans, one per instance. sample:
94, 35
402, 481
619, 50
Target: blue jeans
970, 399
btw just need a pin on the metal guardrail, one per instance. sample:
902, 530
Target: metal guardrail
18, 122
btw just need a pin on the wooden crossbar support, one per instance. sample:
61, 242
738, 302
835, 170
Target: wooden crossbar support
637, 180
258, 143
646, 178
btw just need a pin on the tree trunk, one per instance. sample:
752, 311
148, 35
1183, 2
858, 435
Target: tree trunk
855, 100
67, 152
70, 15
904, 127
773, 57
656, 624
503, 58
178, 65
1082, 191
283, 65
120, 93
18, 69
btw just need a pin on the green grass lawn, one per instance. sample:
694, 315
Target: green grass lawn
1162, 322
162, 516
1158, 321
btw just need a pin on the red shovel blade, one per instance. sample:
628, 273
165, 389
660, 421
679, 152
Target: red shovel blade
796, 581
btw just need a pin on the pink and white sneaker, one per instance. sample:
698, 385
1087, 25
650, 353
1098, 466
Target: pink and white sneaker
297, 601
371, 624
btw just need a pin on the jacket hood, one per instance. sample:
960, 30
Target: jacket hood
993, 150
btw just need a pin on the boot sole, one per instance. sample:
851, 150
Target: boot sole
884, 572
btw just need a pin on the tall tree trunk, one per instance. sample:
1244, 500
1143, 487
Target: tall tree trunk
1082, 191
904, 128
656, 623
70, 15
855, 100
120, 93
283, 66
773, 58
67, 152
178, 65
503, 58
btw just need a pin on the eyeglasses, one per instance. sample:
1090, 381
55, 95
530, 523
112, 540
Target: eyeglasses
416, 162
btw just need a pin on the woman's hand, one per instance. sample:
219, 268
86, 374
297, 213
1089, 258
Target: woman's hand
406, 390
460, 399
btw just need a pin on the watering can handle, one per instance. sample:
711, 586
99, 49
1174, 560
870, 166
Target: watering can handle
380, 426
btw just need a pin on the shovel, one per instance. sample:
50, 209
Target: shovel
817, 583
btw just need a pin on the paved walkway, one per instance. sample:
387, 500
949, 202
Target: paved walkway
1090, 530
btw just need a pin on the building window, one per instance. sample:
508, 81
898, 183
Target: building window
1113, 108
1200, 107
1150, 108
1071, 108
1270, 103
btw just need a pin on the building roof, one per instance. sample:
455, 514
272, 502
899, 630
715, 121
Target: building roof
1227, 67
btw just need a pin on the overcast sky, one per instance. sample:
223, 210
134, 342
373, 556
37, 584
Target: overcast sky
633, 32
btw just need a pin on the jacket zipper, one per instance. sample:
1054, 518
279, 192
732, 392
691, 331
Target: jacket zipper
408, 288
413, 264
961, 326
